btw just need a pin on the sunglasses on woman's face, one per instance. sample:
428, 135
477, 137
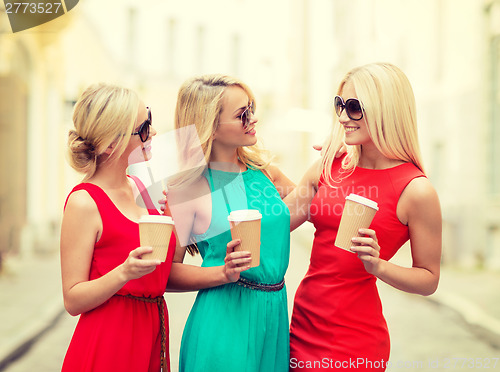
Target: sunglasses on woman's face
143, 131
246, 116
352, 107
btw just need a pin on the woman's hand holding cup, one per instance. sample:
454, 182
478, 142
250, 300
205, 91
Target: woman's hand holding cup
235, 262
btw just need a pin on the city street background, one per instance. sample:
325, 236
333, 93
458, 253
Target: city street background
426, 334
292, 54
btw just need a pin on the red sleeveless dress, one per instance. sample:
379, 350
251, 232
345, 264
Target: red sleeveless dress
122, 334
337, 320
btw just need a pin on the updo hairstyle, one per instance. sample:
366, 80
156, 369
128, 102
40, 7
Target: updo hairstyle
103, 115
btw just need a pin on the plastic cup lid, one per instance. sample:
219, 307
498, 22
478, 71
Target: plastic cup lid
244, 215
156, 219
362, 200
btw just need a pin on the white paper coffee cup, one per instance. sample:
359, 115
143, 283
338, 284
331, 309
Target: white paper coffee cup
155, 231
245, 225
358, 213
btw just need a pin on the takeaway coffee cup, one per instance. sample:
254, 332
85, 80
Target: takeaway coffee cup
245, 225
358, 213
155, 232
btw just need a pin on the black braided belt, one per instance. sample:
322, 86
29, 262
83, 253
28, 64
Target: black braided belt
160, 301
259, 286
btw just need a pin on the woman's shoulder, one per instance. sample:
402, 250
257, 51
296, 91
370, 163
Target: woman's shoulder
401, 175
419, 189
273, 171
282, 183
80, 200
408, 168
419, 198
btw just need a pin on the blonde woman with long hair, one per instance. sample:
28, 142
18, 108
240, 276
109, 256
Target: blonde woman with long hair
242, 323
337, 320
105, 280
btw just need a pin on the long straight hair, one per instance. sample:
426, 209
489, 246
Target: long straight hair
390, 112
199, 103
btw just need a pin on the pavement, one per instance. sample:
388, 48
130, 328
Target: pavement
31, 300
473, 293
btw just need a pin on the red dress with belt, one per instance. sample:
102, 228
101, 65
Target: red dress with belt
337, 320
124, 333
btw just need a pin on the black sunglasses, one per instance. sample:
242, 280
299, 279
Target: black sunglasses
143, 131
352, 107
246, 116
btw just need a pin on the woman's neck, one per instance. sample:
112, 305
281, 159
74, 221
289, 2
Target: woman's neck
110, 175
226, 159
371, 158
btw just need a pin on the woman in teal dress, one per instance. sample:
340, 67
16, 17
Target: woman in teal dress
239, 321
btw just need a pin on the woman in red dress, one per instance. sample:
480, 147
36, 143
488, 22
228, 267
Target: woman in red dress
123, 324
337, 320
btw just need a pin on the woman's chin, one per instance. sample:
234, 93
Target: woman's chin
251, 142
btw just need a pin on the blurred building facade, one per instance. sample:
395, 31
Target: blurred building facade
31, 109
292, 53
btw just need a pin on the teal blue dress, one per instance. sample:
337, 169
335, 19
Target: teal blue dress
236, 327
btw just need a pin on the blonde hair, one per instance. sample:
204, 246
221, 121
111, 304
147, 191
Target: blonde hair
104, 114
390, 113
199, 103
